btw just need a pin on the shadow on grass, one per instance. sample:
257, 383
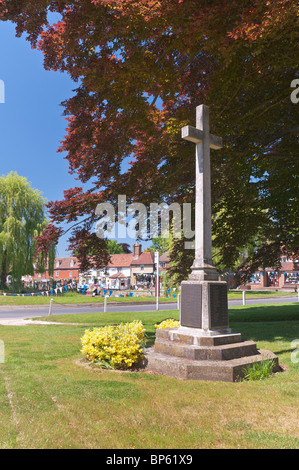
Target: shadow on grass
270, 323
263, 322
277, 333
265, 313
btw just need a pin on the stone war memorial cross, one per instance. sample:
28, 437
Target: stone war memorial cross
204, 298
202, 267
203, 347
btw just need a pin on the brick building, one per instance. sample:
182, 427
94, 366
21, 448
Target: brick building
286, 278
65, 269
124, 270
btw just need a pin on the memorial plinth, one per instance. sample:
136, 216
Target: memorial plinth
188, 356
203, 347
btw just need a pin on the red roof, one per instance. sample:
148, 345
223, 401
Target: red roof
117, 276
66, 263
146, 257
289, 265
164, 258
120, 261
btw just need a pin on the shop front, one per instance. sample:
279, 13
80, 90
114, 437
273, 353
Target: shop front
118, 281
275, 279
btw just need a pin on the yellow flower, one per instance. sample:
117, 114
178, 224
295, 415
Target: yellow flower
169, 323
120, 346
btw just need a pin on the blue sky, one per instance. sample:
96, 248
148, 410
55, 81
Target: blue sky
31, 120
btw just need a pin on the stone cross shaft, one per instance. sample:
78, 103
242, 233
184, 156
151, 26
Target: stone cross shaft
202, 268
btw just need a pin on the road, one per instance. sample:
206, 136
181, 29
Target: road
22, 312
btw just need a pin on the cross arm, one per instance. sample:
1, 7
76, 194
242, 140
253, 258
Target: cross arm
215, 142
192, 134
196, 135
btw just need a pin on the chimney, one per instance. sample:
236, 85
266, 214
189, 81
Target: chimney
137, 250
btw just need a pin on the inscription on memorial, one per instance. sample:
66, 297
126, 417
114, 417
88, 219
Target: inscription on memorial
218, 306
191, 314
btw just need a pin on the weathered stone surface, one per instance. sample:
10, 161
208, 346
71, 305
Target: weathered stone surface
216, 353
188, 369
202, 268
193, 336
191, 357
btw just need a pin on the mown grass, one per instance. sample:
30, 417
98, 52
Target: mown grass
49, 398
251, 294
76, 298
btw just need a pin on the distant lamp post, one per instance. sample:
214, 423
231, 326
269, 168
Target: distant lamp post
157, 279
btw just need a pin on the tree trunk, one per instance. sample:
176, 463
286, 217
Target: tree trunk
3, 271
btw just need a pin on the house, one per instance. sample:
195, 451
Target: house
125, 270
135, 269
117, 273
118, 281
65, 269
164, 262
142, 267
286, 278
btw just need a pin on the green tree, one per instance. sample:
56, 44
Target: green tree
141, 69
180, 261
114, 248
160, 244
22, 218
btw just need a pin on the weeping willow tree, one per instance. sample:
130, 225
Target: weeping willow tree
22, 218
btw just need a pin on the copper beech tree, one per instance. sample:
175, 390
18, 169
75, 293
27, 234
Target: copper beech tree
141, 68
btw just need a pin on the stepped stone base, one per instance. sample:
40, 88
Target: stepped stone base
185, 355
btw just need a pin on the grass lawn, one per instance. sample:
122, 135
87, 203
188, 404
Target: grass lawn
50, 399
251, 294
75, 298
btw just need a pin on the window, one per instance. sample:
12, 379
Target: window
142, 267
291, 278
256, 278
70, 274
72, 263
57, 273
